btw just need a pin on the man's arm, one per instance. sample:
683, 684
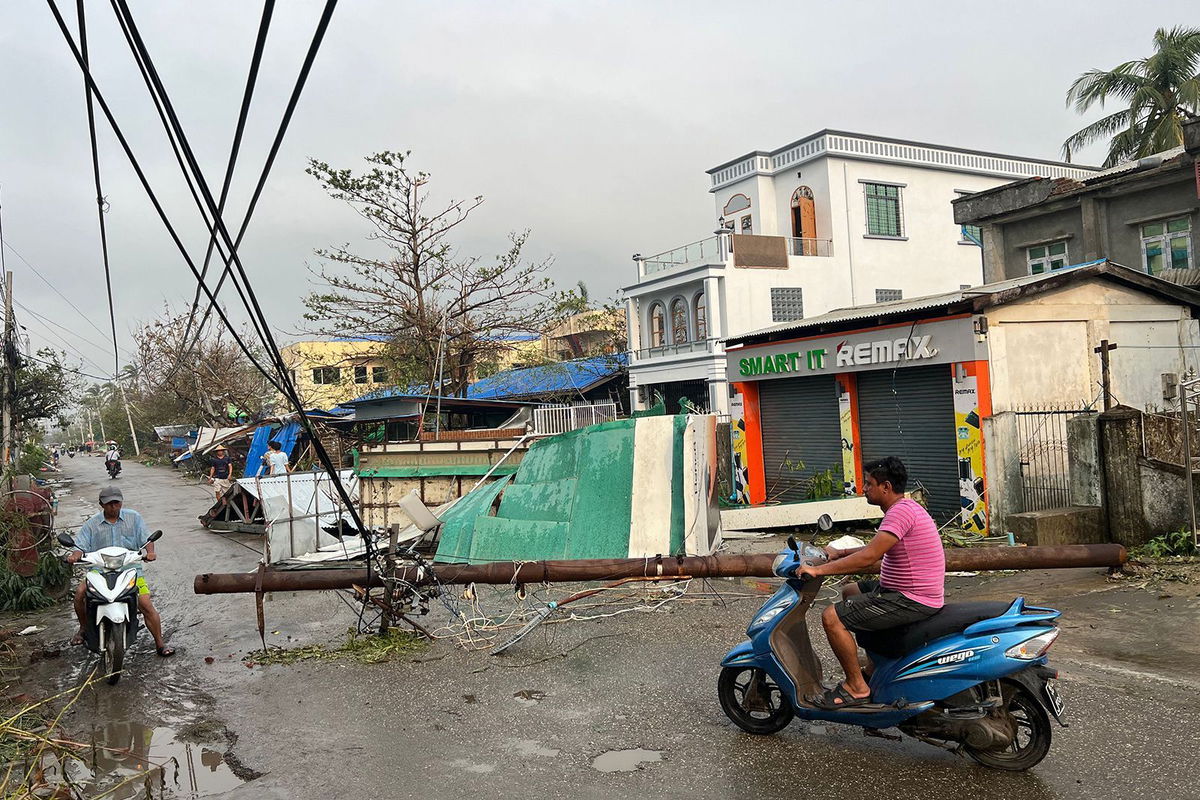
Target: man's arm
856, 561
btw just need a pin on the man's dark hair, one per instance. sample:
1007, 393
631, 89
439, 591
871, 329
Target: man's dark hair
890, 470
274, 445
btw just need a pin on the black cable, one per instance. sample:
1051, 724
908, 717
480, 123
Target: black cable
47, 321
286, 387
54, 288
251, 78
91, 118
150, 194
65, 369
162, 106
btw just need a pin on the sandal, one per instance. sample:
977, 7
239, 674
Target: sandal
166, 650
77, 639
838, 697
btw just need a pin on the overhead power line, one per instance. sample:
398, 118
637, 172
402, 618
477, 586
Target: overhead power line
43, 279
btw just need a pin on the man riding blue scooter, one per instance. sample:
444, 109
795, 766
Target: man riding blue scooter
911, 578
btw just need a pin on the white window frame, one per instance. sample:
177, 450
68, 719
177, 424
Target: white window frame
1164, 241
1046, 259
320, 373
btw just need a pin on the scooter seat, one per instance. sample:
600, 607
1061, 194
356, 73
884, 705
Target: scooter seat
952, 618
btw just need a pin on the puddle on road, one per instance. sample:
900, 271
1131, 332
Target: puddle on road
625, 760
129, 761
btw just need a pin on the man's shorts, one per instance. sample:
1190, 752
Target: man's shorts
142, 586
877, 609
221, 485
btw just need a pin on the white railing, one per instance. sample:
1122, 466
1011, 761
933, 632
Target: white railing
560, 419
675, 349
711, 249
809, 247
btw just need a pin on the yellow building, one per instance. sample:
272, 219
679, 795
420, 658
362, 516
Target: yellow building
326, 373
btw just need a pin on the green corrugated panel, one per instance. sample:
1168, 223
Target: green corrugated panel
458, 523
549, 459
548, 501
600, 515
498, 539
677, 485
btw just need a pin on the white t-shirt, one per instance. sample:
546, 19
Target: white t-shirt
113, 455
277, 462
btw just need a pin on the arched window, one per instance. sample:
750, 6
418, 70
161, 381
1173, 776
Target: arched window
658, 325
739, 202
679, 321
701, 314
804, 220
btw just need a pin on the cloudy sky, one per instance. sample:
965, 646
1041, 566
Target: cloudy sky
590, 123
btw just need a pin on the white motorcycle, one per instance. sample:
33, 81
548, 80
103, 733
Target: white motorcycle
111, 602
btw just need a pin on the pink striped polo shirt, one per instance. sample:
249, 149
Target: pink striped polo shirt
916, 565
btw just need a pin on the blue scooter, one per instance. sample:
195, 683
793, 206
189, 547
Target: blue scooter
972, 677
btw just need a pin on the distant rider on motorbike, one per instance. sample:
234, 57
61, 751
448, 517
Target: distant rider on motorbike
115, 526
113, 454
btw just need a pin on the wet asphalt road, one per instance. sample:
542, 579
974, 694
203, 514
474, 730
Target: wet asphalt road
532, 722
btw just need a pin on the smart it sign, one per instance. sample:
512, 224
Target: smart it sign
940, 342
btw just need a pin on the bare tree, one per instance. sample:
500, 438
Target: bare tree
440, 312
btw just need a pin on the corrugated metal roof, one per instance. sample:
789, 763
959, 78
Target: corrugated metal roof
897, 307
561, 377
1148, 162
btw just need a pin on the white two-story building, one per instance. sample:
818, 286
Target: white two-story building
833, 220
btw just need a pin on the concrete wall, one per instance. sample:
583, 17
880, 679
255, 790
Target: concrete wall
1002, 445
1042, 348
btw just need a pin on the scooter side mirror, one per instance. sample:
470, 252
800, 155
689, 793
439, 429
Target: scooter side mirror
824, 523
791, 543
154, 537
65, 540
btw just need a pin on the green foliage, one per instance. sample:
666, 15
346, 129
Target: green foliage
33, 456
1159, 92
364, 648
824, 484
18, 593
1176, 543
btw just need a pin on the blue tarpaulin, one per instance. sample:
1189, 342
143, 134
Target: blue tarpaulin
550, 379
286, 436
180, 443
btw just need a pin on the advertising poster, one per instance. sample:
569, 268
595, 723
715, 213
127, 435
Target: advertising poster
847, 425
737, 432
970, 455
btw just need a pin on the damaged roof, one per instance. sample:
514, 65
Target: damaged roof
971, 301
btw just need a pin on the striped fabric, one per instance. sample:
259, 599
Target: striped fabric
916, 565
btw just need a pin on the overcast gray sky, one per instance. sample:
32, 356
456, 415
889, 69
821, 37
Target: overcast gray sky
591, 123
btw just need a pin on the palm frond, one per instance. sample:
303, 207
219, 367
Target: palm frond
1102, 128
1097, 86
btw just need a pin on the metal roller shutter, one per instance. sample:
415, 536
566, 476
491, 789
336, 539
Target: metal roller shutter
800, 423
916, 424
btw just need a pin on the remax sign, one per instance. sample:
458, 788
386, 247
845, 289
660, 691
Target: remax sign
940, 342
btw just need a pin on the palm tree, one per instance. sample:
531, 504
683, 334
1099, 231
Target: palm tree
1162, 92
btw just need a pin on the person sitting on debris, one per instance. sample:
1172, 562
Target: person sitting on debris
277, 460
220, 472
911, 581
115, 526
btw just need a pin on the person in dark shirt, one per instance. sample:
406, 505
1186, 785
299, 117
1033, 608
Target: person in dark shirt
220, 472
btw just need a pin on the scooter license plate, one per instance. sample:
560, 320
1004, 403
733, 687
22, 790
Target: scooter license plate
1055, 700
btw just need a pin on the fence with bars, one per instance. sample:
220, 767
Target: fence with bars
1045, 461
560, 419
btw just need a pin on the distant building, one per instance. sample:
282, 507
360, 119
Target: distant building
830, 221
326, 373
1145, 214
588, 333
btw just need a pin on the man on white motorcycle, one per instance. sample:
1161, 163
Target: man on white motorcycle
115, 526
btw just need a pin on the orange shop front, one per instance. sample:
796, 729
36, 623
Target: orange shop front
807, 411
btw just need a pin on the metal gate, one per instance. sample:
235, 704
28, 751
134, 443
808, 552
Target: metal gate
1045, 465
802, 434
909, 413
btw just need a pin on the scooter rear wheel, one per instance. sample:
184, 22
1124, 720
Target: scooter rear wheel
114, 652
734, 690
1033, 733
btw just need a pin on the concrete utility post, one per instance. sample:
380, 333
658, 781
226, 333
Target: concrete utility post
1105, 372
132, 434
8, 365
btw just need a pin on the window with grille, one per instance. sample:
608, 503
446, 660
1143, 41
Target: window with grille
380, 375
360, 374
787, 304
883, 210
1167, 244
888, 295
701, 318
1046, 257
658, 325
969, 234
326, 375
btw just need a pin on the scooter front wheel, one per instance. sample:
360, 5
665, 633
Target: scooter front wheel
114, 652
753, 700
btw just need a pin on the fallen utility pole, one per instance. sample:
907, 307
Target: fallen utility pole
667, 568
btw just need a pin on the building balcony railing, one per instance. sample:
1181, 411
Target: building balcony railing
718, 251
677, 349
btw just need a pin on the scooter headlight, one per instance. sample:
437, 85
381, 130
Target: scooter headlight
767, 616
1033, 648
111, 561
